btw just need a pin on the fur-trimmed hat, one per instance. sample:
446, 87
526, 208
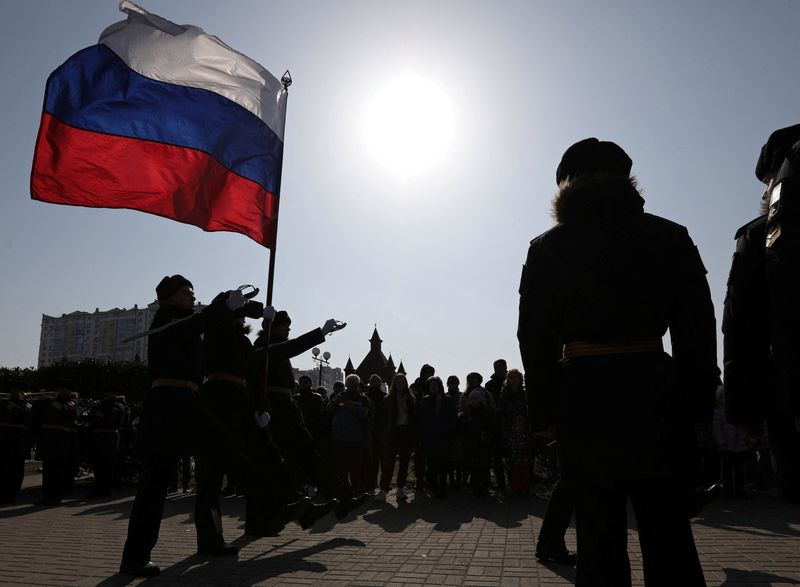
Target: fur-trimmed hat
775, 150
593, 156
169, 285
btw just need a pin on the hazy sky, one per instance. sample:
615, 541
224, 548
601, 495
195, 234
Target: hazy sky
689, 88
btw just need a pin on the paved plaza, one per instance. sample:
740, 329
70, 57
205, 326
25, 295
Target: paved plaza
460, 541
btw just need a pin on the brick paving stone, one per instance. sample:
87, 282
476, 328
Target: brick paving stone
462, 541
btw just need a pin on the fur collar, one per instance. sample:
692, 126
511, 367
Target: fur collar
596, 196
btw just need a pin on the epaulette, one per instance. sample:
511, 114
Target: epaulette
752, 224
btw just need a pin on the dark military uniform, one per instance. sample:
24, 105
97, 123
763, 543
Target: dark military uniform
287, 426
598, 292
172, 423
54, 419
229, 393
105, 420
761, 325
15, 446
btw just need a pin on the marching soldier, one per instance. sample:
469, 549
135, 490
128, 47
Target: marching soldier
229, 391
15, 444
105, 420
598, 292
54, 421
172, 420
761, 321
287, 426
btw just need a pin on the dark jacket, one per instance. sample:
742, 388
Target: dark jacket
609, 273
386, 412
351, 415
745, 326
55, 421
512, 404
437, 422
105, 420
312, 407
281, 352
172, 421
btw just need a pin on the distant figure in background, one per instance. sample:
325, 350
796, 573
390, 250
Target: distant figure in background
105, 419
396, 423
494, 385
351, 412
458, 471
418, 390
15, 444
437, 422
375, 393
479, 423
54, 420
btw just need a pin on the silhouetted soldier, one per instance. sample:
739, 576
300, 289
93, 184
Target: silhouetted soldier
105, 419
287, 427
598, 293
172, 420
54, 419
761, 322
247, 453
15, 444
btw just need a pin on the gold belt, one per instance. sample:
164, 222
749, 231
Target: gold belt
10, 425
281, 390
217, 376
175, 383
598, 349
56, 427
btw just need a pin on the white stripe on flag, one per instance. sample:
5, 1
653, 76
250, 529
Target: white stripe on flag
185, 55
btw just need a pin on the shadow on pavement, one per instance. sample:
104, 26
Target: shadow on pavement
757, 517
736, 577
448, 515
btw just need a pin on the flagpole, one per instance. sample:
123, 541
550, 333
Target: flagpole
261, 402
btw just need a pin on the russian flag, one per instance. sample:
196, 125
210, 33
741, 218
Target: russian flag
165, 119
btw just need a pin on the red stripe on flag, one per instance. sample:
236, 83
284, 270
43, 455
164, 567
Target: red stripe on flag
84, 168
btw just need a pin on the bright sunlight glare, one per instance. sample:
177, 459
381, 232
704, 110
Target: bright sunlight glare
409, 125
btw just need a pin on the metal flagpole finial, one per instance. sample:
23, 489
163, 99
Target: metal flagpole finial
286, 80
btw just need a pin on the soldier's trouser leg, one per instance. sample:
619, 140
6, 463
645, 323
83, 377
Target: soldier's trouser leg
53, 471
785, 443
209, 470
148, 507
602, 532
665, 535
12, 472
556, 522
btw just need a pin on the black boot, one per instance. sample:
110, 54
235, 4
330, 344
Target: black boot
315, 512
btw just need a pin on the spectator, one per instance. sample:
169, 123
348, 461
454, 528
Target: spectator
437, 419
351, 411
396, 424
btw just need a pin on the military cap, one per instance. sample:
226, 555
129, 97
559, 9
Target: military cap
775, 150
169, 285
593, 156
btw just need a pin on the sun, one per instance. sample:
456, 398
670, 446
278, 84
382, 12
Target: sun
409, 125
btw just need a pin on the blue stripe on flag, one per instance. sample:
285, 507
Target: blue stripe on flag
95, 90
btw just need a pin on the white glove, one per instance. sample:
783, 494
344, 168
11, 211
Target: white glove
262, 419
329, 326
269, 313
235, 300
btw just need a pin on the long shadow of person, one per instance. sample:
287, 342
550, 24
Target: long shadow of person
740, 577
198, 570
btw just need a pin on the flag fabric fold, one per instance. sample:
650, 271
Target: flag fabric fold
165, 119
